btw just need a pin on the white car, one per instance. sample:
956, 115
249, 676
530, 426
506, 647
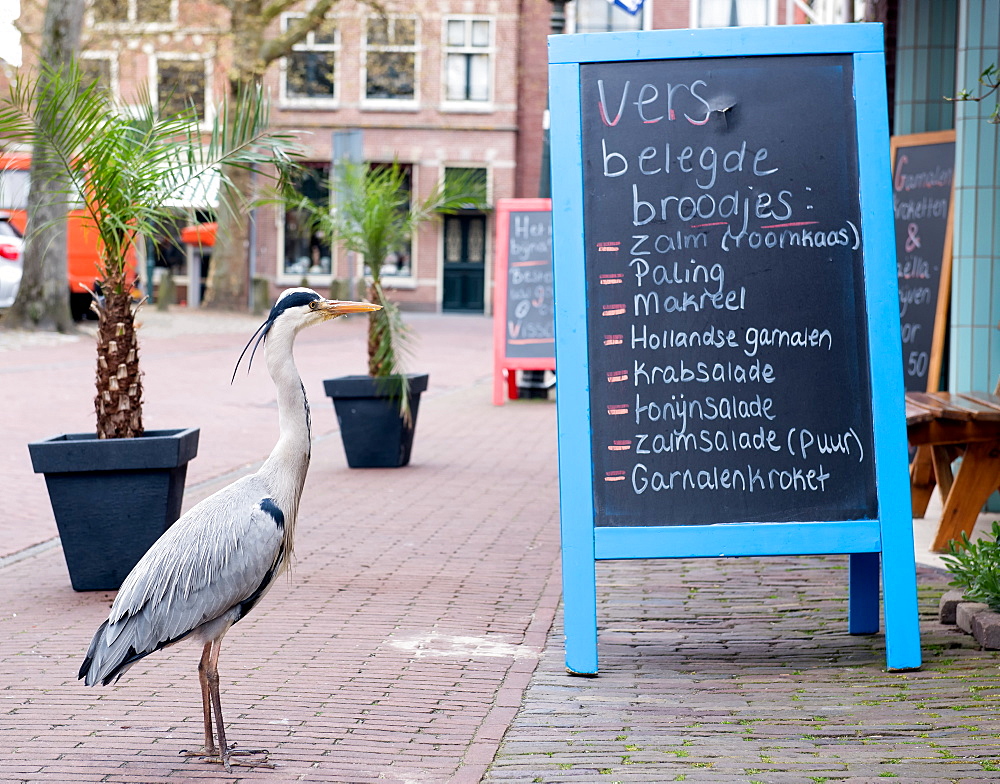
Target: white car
11, 249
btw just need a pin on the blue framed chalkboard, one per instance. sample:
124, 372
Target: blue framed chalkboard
727, 329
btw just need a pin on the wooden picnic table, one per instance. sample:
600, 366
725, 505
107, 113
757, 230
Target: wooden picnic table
944, 426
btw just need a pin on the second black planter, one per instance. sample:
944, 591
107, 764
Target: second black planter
374, 433
112, 498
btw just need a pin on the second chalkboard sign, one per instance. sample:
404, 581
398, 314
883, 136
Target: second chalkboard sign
530, 330
923, 173
523, 320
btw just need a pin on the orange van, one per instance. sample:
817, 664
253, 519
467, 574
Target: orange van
82, 242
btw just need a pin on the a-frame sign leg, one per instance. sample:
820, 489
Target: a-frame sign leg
862, 615
902, 619
499, 381
580, 608
902, 625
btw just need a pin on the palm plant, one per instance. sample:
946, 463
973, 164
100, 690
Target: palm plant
124, 165
374, 215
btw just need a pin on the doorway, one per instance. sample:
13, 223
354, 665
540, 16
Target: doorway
464, 263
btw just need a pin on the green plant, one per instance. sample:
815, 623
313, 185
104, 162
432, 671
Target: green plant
123, 164
375, 216
975, 567
989, 81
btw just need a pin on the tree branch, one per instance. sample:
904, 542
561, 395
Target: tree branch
282, 45
989, 79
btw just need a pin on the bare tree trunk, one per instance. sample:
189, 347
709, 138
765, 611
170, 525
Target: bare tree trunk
229, 271
228, 275
43, 300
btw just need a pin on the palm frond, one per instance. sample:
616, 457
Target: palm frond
125, 165
391, 345
374, 213
128, 164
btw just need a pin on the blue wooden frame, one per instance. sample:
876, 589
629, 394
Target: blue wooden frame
885, 544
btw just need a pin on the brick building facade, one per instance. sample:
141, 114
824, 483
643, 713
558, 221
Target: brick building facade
439, 87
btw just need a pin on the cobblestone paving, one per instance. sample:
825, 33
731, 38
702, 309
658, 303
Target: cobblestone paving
741, 670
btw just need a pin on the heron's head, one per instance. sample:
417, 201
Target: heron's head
298, 308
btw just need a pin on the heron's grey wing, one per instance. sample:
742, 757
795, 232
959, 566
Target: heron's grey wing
223, 553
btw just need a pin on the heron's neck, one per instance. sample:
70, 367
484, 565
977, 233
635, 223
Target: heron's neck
285, 469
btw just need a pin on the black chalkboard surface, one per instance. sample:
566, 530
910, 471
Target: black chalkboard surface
530, 330
923, 167
523, 315
729, 379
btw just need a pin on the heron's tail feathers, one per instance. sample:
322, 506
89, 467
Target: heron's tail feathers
113, 650
105, 661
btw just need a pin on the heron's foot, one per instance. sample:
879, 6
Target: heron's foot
200, 753
212, 755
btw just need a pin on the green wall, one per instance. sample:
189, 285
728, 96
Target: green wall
975, 291
927, 35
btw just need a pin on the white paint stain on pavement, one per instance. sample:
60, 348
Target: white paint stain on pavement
443, 645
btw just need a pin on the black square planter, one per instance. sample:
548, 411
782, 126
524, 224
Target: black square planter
372, 430
112, 498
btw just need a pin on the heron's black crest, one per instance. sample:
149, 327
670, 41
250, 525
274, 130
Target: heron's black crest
292, 300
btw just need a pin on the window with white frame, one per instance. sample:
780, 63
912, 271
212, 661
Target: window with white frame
140, 12
100, 70
468, 54
310, 71
601, 16
180, 84
308, 252
466, 182
730, 13
391, 58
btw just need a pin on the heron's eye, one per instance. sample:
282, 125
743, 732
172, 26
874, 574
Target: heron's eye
313, 305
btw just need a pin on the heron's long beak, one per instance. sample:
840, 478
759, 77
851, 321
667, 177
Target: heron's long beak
333, 307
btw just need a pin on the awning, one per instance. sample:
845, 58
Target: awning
203, 234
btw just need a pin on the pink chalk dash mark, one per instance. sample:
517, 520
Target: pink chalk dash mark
782, 225
705, 225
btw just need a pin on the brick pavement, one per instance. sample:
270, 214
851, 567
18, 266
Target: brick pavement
739, 671
404, 646
400, 646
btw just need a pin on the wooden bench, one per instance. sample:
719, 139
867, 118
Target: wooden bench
944, 426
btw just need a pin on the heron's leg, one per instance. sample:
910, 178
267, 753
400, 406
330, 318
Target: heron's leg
208, 672
208, 750
212, 679
206, 702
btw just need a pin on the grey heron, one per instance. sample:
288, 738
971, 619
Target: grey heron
218, 560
